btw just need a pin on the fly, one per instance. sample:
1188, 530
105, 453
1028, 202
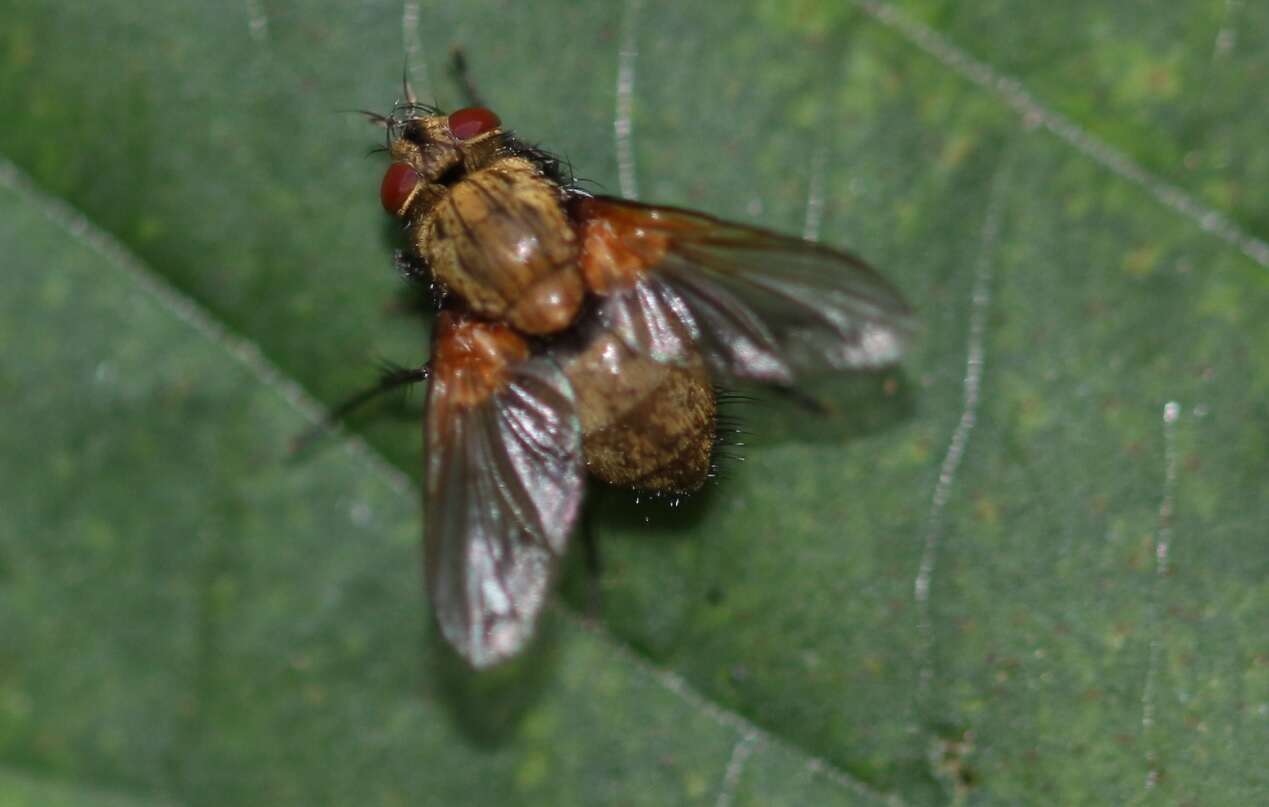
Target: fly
582, 335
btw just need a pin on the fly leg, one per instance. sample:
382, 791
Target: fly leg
552, 166
594, 566
392, 377
458, 67
808, 402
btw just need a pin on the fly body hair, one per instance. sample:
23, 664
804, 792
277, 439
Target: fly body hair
729, 434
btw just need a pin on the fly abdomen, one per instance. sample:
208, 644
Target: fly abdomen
645, 424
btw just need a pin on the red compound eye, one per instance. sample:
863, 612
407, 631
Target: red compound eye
398, 183
474, 120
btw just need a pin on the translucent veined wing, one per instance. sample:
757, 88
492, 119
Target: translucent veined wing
503, 489
761, 306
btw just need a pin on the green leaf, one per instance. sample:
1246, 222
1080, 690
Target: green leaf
1028, 566
1170, 84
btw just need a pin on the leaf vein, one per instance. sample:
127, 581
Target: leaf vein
1012, 92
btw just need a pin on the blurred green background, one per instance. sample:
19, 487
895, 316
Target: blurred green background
196, 266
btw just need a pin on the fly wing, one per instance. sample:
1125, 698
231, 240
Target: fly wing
504, 485
762, 306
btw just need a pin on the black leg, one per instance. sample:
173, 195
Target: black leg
808, 402
392, 378
458, 66
594, 567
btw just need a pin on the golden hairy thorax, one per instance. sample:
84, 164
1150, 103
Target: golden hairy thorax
500, 239
645, 424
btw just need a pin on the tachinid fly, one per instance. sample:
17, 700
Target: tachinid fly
583, 335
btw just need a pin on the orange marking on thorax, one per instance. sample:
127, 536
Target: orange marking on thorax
473, 356
618, 246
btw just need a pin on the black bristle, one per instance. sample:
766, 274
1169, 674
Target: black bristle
727, 430
557, 169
